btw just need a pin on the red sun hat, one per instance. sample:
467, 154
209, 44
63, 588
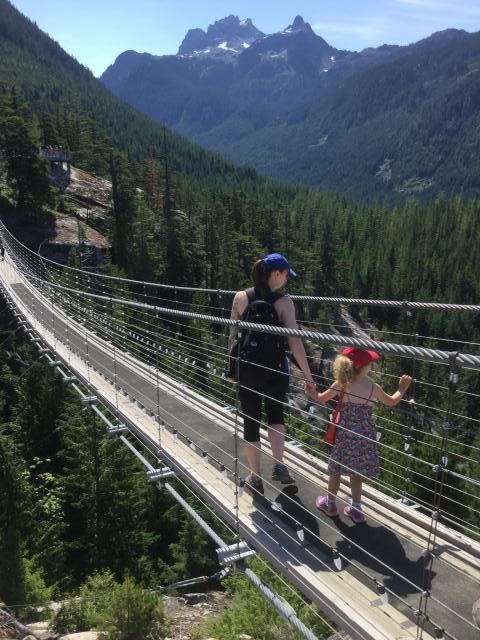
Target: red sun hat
360, 357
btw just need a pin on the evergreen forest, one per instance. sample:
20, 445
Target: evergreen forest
78, 517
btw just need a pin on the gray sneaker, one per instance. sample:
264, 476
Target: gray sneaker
280, 473
254, 485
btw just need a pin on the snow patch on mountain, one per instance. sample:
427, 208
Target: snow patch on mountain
229, 35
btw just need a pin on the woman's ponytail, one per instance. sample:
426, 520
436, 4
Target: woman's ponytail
260, 277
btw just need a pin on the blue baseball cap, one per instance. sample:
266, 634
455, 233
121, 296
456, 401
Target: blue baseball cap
277, 261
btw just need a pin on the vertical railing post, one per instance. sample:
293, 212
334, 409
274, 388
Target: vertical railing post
176, 307
411, 420
439, 471
236, 436
157, 381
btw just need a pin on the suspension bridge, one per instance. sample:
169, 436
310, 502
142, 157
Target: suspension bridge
149, 360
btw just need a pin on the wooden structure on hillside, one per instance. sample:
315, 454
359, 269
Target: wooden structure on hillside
60, 165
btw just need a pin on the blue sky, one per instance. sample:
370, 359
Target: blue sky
96, 31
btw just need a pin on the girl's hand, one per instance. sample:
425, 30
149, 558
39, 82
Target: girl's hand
404, 383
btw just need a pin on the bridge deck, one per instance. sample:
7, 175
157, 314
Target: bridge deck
394, 535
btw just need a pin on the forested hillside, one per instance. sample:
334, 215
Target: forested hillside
199, 220
67, 96
383, 123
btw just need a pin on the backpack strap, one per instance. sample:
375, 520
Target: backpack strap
251, 297
272, 297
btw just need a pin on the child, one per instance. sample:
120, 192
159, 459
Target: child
354, 452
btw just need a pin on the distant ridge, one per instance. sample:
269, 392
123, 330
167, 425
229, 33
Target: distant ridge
390, 121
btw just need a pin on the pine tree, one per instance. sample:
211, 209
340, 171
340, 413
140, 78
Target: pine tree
192, 554
134, 613
27, 171
14, 503
39, 403
124, 208
106, 499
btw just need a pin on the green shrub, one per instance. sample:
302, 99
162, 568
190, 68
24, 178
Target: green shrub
73, 616
87, 610
36, 591
134, 613
98, 588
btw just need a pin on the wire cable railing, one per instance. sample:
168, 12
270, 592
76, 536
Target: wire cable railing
145, 329
391, 472
172, 359
424, 477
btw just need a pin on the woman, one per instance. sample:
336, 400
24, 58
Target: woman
269, 275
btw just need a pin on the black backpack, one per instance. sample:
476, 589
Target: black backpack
261, 354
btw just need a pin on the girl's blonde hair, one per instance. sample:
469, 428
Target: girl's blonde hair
343, 370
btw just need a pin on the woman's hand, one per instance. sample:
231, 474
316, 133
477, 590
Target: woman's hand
404, 383
310, 389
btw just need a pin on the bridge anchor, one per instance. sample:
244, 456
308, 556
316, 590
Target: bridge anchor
115, 429
234, 553
160, 475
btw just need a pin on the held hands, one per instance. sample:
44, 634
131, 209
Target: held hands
404, 383
310, 389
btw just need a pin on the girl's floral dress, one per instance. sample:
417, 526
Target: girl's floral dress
355, 447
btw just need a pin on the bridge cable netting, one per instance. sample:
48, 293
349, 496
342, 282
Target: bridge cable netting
428, 447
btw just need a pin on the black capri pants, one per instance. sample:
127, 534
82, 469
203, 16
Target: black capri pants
273, 391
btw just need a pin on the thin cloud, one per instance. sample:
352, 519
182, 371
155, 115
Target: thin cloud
342, 28
442, 6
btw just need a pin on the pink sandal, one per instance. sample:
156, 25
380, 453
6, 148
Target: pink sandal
355, 514
321, 503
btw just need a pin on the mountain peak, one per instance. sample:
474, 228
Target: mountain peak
229, 34
299, 26
228, 21
195, 40
298, 23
